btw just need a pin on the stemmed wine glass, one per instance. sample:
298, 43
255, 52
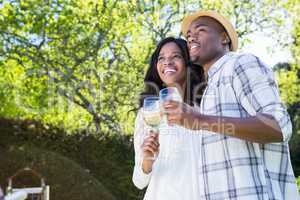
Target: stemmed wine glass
169, 94
151, 112
151, 115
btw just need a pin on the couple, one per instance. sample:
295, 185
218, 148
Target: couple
231, 144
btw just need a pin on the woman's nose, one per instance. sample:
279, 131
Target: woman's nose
168, 61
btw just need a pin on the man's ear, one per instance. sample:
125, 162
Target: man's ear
225, 39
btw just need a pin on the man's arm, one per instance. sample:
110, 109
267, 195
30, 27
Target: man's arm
139, 177
260, 129
257, 93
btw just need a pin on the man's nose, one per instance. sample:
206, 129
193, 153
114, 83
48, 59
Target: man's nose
191, 37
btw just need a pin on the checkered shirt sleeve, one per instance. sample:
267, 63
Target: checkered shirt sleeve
257, 92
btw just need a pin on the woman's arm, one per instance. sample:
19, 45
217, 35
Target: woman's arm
145, 148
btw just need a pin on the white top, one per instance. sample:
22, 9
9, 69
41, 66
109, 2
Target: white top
174, 172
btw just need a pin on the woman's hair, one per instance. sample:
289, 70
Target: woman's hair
195, 82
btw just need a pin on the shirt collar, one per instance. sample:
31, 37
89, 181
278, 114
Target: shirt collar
217, 65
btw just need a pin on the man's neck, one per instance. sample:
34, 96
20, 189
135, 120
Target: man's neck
210, 63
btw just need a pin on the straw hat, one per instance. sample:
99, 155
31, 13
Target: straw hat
222, 20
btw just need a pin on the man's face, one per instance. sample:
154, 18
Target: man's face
205, 39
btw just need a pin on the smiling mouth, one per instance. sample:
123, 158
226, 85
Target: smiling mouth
194, 46
169, 71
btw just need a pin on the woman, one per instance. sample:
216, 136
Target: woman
175, 167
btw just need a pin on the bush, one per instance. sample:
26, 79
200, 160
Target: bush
298, 183
66, 178
295, 153
108, 159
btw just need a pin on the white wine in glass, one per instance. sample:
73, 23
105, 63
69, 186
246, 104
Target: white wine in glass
151, 112
151, 115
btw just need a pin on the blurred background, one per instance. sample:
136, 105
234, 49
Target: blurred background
71, 72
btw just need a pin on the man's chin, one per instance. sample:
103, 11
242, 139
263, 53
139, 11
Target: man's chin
195, 59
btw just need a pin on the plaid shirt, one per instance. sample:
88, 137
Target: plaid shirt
240, 85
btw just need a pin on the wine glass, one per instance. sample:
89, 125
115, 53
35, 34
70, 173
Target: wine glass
169, 94
151, 115
151, 112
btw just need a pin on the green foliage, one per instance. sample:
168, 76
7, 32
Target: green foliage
289, 84
69, 182
27, 96
106, 160
288, 76
80, 64
249, 16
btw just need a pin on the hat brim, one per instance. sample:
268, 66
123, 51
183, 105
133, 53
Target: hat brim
222, 20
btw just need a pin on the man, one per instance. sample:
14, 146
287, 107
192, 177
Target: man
245, 127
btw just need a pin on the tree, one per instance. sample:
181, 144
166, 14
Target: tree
86, 58
75, 45
289, 83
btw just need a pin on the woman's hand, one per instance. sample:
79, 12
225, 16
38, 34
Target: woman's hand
150, 149
181, 114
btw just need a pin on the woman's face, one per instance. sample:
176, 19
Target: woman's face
170, 65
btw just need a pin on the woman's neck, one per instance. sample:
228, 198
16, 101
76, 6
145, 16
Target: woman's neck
180, 86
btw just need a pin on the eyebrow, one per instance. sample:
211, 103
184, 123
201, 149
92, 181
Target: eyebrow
196, 26
176, 52
200, 24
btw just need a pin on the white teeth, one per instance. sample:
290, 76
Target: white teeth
170, 70
192, 47
166, 71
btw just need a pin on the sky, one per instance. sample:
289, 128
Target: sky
260, 46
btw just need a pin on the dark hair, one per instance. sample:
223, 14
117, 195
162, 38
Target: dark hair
153, 83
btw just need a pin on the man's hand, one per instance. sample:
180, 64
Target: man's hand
180, 113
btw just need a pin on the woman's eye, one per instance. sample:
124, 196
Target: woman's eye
160, 59
178, 56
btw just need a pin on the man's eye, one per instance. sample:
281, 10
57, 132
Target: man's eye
201, 29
